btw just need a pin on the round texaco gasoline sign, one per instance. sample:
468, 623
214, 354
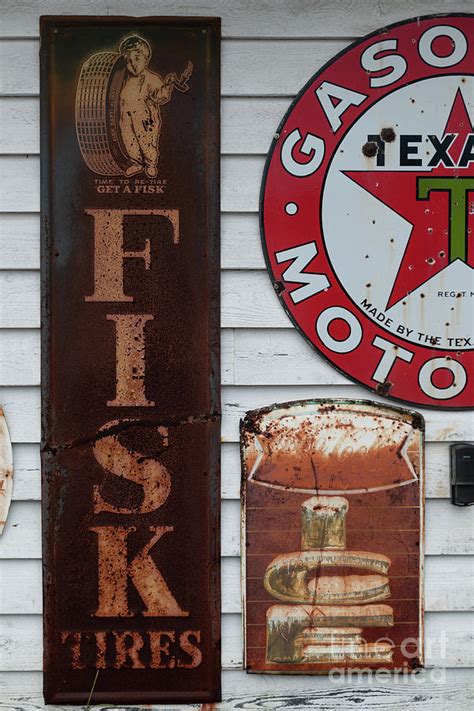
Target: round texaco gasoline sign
367, 211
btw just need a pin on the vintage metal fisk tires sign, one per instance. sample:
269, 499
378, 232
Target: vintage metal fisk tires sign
367, 211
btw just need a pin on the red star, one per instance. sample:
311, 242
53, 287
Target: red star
428, 248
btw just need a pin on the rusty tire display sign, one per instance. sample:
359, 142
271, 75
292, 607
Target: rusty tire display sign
130, 359
333, 516
367, 211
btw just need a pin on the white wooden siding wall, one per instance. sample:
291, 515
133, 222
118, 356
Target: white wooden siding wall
269, 50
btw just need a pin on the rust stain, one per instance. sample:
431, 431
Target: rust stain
388, 135
369, 149
384, 388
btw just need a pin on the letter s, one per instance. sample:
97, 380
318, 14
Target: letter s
150, 474
372, 62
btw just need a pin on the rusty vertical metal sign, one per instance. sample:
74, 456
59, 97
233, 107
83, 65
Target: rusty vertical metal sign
131, 409
333, 508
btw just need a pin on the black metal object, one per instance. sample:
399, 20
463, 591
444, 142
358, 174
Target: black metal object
130, 369
462, 473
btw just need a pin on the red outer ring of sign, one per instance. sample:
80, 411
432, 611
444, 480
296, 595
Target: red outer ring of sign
420, 24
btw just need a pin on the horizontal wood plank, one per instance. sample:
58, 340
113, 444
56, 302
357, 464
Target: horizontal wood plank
22, 409
240, 183
433, 689
26, 459
248, 300
448, 638
280, 18
20, 241
278, 357
22, 412
19, 299
19, 357
449, 585
249, 67
27, 474
436, 470
248, 357
237, 400
449, 530
430, 690
21, 588
19, 125
248, 124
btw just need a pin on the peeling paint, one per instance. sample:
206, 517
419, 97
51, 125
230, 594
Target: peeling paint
6, 471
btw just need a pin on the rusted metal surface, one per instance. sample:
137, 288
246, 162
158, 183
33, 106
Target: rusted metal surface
6, 471
333, 519
366, 211
131, 404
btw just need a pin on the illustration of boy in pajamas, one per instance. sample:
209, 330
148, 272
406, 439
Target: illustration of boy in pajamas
143, 93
